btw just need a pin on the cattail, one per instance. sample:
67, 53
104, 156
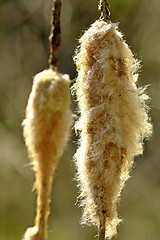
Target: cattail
112, 125
46, 126
46, 131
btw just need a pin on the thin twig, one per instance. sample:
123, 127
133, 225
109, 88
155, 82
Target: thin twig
103, 7
102, 228
55, 35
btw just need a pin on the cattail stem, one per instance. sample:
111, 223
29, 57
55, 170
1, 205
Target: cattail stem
102, 228
55, 34
45, 186
103, 7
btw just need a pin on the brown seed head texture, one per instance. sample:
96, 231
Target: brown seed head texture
113, 121
46, 131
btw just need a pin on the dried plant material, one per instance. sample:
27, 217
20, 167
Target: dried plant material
55, 35
112, 125
46, 131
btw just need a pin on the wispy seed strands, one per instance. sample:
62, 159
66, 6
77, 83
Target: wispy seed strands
46, 131
113, 122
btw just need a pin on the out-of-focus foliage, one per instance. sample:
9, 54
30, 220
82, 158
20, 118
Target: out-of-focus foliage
24, 50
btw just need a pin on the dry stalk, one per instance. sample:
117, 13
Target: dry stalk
55, 35
103, 7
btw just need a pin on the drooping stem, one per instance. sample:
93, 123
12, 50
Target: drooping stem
102, 228
55, 34
103, 7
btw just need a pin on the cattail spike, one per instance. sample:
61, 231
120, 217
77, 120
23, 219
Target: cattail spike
46, 131
112, 125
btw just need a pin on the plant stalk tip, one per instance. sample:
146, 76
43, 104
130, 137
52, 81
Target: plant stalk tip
55, 34
104, 8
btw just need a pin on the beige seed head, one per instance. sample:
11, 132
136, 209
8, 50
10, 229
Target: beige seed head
46, 131
113, 121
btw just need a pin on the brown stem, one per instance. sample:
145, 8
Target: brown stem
102, 228
104, 9
43, 186
55, 34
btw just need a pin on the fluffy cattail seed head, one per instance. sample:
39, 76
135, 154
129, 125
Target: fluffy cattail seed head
46, 131
113, 121
48, 117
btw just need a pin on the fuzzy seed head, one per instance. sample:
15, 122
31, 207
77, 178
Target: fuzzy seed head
113, 121
46, 131
48, 117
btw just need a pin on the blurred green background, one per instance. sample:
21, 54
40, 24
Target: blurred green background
24, 50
